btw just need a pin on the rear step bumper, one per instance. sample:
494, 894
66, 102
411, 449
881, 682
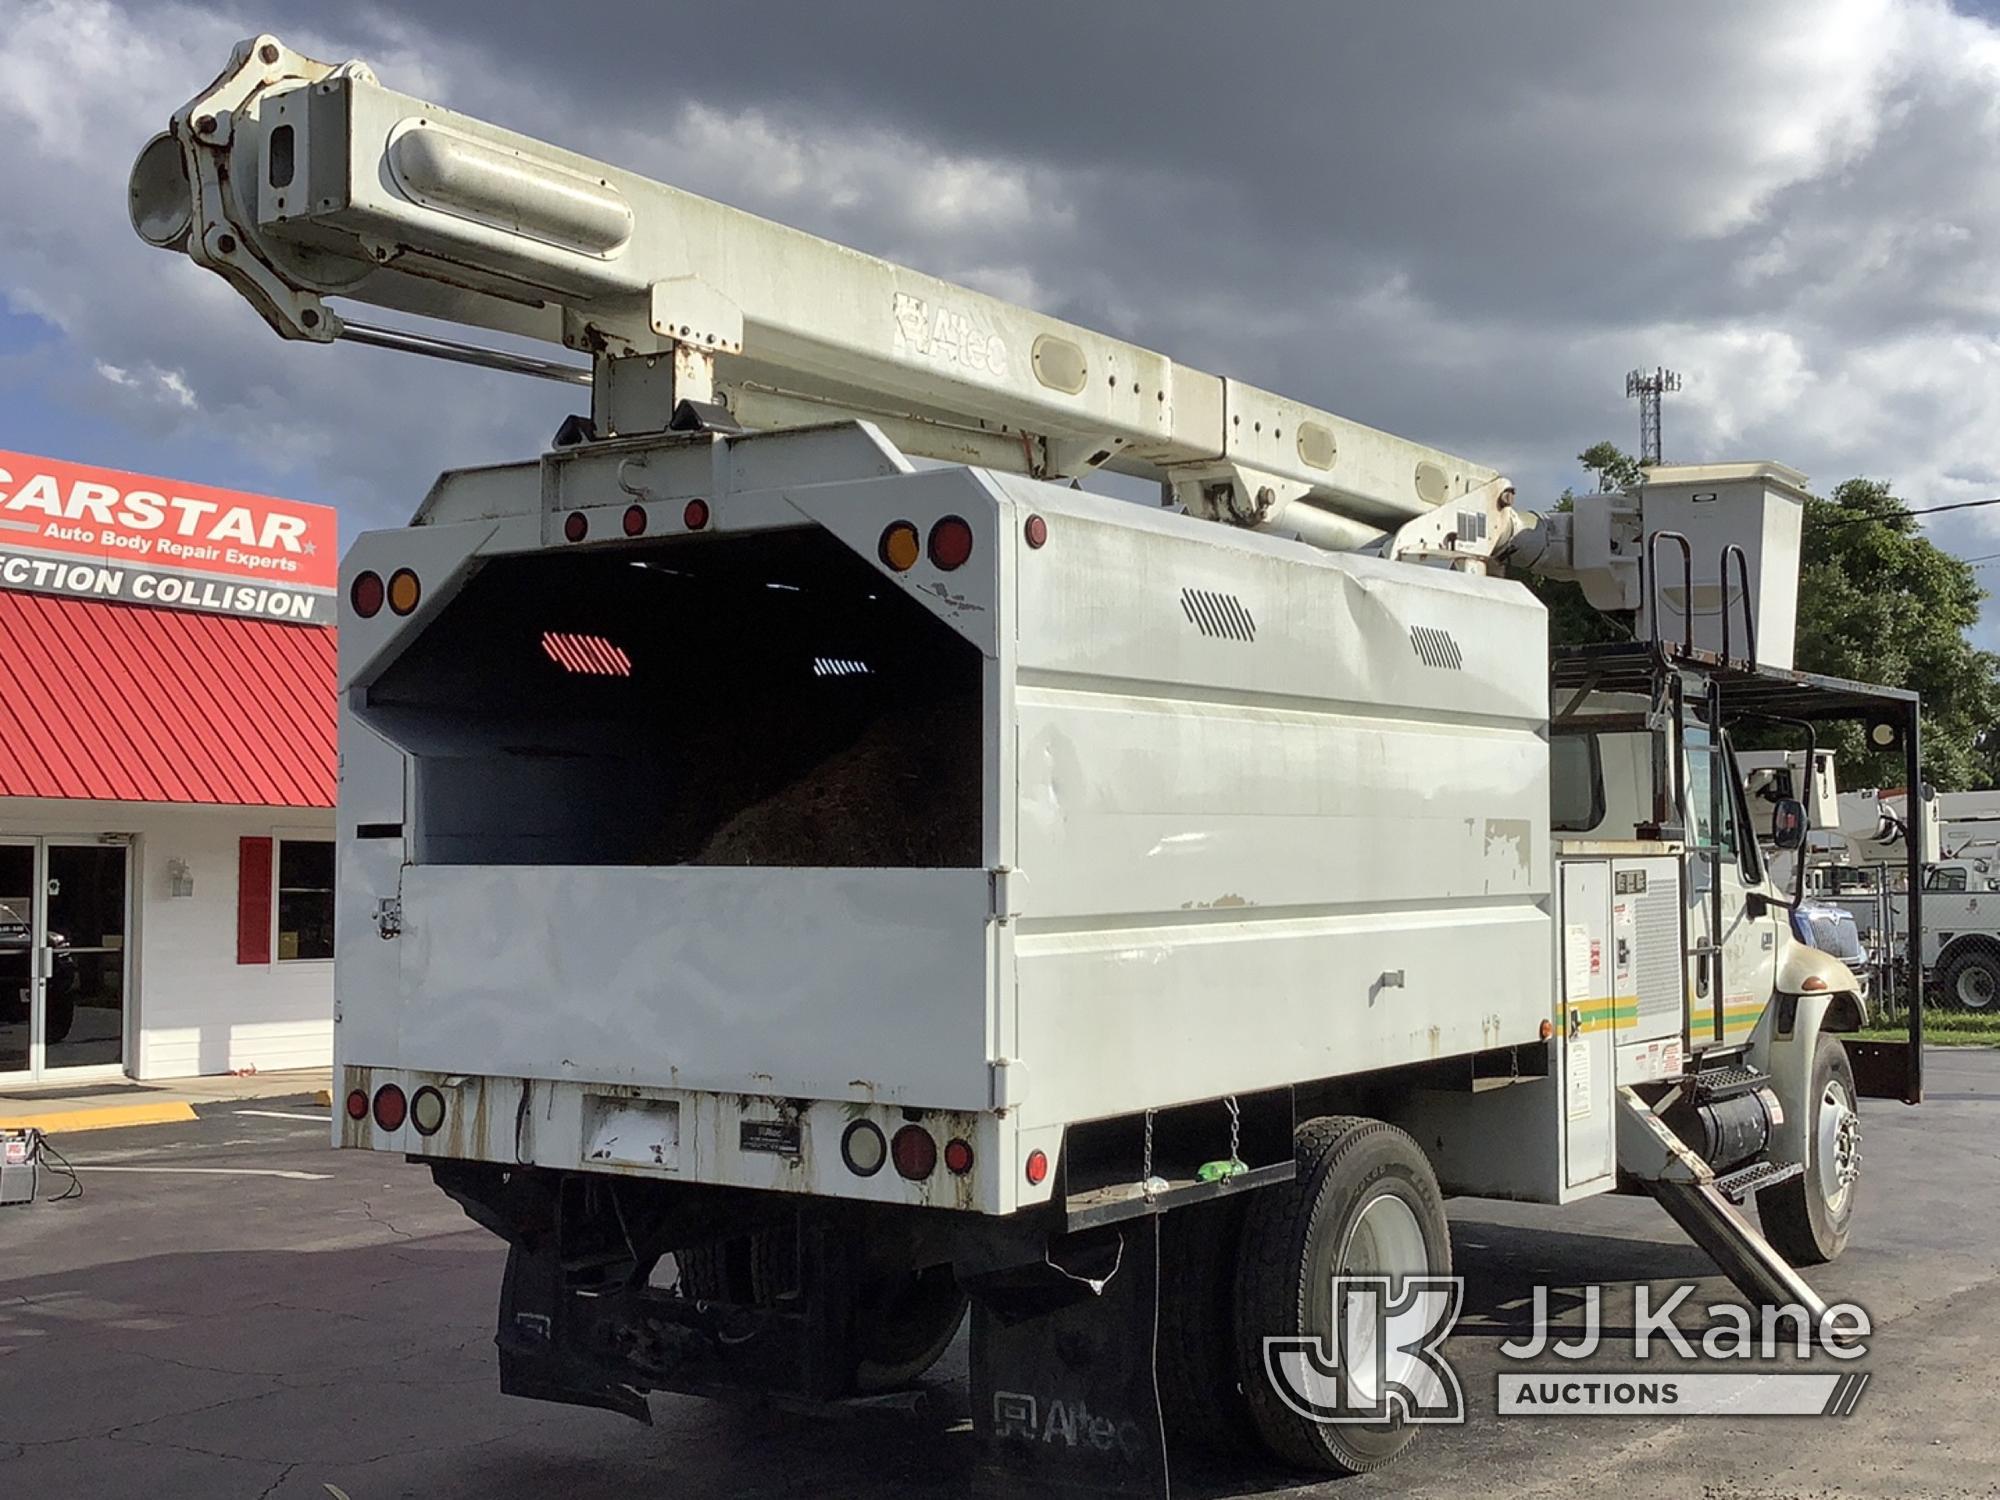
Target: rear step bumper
678, 1135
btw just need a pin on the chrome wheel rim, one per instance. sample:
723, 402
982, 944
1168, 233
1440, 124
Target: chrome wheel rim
1839, 1141
1384, 1240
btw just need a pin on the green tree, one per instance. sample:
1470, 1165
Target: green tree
1880, 602
1615, 469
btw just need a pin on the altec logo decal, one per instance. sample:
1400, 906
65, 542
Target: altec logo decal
101, 533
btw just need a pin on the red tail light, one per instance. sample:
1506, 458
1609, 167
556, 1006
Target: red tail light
1038, 1167
576, 526
635, 520
367, 594
951, 543
957, 1157
391, 1108
914, 1152
695, 515
357, 1105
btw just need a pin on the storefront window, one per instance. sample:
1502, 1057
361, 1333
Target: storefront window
305, 898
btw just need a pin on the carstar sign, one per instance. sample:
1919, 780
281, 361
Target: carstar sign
77, 529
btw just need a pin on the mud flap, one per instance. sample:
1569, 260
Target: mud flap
1063, 1391
537, 1352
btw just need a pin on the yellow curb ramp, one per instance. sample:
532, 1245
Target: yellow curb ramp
100, 1117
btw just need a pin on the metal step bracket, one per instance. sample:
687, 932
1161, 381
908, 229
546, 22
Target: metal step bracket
1688, 1190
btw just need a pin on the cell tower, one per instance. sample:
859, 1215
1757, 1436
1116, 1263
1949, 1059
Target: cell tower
1649, 389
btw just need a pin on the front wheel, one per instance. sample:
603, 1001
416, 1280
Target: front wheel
1364, 1204
1808, 1217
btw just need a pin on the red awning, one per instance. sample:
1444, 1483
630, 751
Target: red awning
126, 703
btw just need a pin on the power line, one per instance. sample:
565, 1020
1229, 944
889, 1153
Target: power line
1896, 515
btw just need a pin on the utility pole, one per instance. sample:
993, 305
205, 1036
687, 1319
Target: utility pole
1649, 388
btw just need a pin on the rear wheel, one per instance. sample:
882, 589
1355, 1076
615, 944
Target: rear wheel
1364, 1203
1808, 1217
1972, 979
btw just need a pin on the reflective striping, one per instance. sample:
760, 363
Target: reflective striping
585, 655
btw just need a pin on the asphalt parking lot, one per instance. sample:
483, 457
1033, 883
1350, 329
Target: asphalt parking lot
233, 1310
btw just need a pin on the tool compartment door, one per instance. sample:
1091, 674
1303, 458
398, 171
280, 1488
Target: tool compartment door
1584, 966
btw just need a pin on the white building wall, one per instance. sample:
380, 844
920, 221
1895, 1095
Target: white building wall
193, 1008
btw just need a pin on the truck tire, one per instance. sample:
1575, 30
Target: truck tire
903, 1325
1808, 1217
1364, 1202
904, 1320
1201, 1393
1972, 979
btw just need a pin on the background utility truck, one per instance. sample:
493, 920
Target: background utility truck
788, 892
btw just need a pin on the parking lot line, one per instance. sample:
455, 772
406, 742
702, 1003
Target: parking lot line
84, 1166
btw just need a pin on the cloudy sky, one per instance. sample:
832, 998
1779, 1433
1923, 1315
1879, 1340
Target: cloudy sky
1456, 219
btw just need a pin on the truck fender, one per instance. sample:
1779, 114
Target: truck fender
1804, 972
1785, 1052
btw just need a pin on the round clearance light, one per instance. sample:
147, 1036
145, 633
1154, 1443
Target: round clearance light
915, 1153
1038, 1167
576, 526
957, 1157
695, 515
951, 543
635, 520
1036, 531
901, 547
404, 591
427, 1110
391, 1108
357, 1104
863, 1148
366, 595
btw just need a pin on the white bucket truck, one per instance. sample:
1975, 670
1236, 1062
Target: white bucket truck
790, 893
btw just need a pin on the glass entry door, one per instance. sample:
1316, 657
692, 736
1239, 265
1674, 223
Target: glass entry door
65, 967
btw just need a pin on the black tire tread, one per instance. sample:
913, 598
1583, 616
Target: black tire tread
1970, 958
1275, 1225
1785, 1210
1201, 1393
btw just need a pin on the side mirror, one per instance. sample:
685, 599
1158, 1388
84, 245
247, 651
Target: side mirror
1788, 824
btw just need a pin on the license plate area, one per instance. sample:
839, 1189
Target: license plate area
623, 1132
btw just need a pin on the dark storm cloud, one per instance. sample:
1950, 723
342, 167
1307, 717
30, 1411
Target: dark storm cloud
1460, 220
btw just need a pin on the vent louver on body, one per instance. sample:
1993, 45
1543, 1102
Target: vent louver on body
1220, 615
1436, 648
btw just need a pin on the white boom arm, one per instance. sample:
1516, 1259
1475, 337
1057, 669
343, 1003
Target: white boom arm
297, 181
